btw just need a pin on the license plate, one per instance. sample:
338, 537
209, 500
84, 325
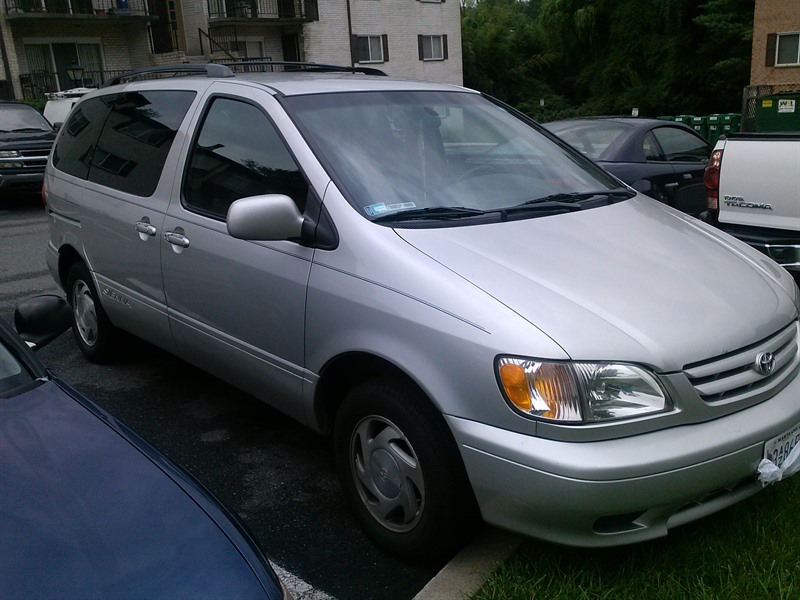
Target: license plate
777, 449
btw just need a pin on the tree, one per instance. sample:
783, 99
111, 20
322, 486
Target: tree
727, 35
506, 54
608, 56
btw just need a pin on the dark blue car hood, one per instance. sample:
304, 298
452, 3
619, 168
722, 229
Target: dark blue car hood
33, 138
87, 511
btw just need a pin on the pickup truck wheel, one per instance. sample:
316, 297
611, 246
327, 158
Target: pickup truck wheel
91, 327
401, 472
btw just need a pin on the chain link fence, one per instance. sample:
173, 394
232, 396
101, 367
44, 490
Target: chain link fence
753, 93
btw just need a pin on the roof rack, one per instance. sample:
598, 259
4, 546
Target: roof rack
177, 70
302, 66
226, 70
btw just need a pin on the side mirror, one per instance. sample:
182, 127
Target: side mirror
272, 217
57, 126
41, 319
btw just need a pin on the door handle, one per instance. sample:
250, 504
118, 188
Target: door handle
176, 238
144, 227
670, 186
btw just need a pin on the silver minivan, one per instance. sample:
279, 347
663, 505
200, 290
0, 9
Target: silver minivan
484, 320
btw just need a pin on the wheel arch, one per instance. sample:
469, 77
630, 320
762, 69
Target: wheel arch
350, 371
346, 371
67, 256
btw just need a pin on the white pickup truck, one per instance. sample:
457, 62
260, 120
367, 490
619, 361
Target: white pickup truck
753, 184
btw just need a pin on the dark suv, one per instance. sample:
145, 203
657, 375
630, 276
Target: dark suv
25, 141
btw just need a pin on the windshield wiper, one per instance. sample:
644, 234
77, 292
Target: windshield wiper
569, 201
442, 213
26, 129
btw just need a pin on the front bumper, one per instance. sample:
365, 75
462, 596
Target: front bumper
21, 180
625, 490
782, 246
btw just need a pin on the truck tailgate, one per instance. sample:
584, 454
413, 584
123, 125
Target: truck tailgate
765, 192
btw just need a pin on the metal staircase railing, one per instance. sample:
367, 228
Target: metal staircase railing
220, 39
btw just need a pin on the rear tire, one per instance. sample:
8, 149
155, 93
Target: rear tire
93, 331
401, 471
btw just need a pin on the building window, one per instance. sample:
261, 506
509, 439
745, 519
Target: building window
788, 49
432, 47
370, 48
53, 59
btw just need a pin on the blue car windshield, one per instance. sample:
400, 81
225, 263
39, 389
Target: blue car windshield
13, 373
398, 152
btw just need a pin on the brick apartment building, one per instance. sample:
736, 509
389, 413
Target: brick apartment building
42, 40
775, 60
776, 43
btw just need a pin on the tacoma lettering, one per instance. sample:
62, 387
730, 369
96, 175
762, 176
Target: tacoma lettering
739, 201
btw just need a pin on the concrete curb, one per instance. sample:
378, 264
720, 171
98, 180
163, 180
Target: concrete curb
468, 570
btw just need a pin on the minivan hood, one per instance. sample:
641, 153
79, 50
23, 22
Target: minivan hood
634, 281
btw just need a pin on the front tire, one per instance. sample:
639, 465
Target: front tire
91, 327
401, 472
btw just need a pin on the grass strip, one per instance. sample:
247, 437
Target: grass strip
747, 552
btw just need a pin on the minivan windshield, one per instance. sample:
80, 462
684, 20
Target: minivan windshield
441, 155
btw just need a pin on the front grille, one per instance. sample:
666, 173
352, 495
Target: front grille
35, 159
735, 375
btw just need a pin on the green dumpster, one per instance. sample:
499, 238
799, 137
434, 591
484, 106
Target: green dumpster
714, 128
665, 118
700, 125
685, 119
731, 123
778, 112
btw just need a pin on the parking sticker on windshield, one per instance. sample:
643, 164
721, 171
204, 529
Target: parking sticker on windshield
373, 210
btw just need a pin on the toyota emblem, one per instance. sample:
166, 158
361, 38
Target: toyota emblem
765, 363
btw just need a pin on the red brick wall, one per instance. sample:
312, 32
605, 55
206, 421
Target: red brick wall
773, 16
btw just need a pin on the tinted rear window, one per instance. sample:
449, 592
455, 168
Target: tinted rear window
590, 138
73, 151
136, 139
122, 140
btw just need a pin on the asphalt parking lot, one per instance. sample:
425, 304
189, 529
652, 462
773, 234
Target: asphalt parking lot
277, 475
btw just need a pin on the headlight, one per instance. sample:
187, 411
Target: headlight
579, 392
9, 154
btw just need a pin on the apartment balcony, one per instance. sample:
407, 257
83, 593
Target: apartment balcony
39, 83
60, 9
299, 11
